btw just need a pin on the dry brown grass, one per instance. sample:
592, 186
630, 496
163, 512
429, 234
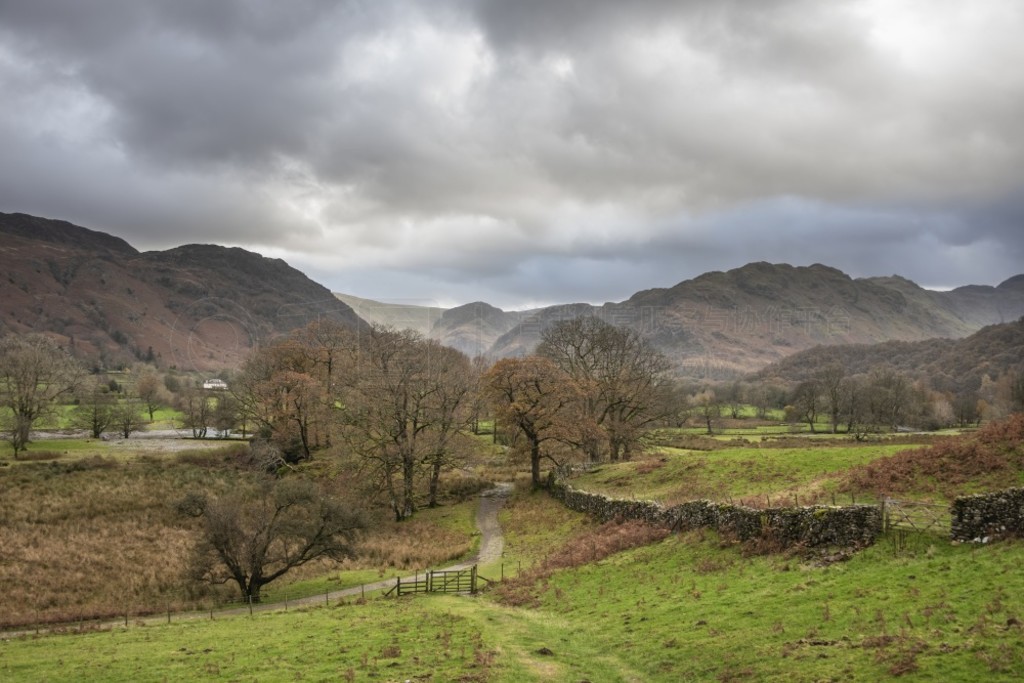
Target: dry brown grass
94, 538
99, 537
986, 459
413, 544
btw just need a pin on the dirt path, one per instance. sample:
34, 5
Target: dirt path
491, 545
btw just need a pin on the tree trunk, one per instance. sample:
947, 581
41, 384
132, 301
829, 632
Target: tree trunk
535, 463
20, 435
389, 481
435, 477
614, 449
408, 480
304, 438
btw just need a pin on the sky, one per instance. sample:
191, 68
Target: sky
527, 152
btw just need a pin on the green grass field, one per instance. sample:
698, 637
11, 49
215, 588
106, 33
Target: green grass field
760, 474
694, 606
688, 608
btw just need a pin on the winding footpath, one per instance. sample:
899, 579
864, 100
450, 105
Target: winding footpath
492, 543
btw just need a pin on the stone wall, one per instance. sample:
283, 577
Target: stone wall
810, 526
979, 517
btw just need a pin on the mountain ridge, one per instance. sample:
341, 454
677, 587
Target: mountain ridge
207, 305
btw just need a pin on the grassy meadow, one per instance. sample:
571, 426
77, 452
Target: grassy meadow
750, 474
690, 607
579, 601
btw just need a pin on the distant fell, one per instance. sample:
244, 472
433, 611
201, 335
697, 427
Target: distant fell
411, 315
471, 328
722, 325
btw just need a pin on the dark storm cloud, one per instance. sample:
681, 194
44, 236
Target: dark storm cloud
539, 151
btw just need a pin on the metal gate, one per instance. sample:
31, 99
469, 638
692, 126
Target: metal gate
912, 515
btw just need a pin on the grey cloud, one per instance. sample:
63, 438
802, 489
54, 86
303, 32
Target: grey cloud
571, 146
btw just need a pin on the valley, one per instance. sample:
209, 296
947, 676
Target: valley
214, 467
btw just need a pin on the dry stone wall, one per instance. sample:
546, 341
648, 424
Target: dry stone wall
810, 526
979, 517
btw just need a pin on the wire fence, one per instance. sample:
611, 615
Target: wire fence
173, 606
181, 605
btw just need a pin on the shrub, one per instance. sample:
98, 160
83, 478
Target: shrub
989, 455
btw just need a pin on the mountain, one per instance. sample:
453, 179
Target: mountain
949, 364
401, 316
726, 324
471, 328
474, 328
205, 306
199, 307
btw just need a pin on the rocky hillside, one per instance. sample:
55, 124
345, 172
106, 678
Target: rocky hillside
725, 324
949, 364
194, 307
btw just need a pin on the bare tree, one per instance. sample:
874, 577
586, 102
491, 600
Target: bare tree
708, 408
35, 373
325, 345
890, 398
255, 538
225, 414
194, 405
127, 415
830, 383
731, 396
95, 410
807, 402
451, 411
405, 398
541, 402
761, 396
149, 389
1016, 391
965, 408
621, 378
279, 389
